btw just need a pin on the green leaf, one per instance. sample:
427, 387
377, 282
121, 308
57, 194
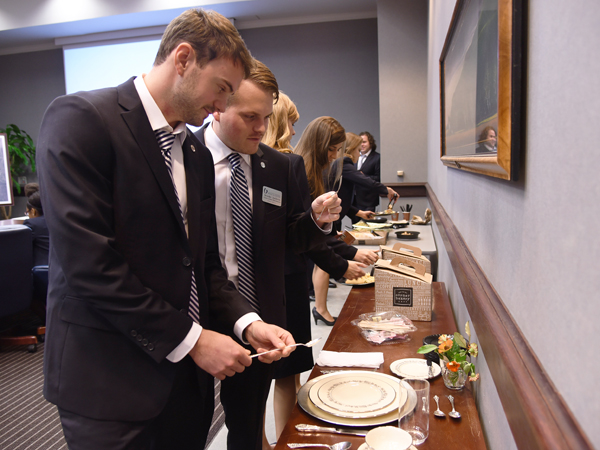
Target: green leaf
426, 349
458, 339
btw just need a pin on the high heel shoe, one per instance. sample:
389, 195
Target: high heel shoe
318, 316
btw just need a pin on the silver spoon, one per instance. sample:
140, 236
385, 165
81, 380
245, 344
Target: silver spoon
438, 412
454, 413
339, 446
308, 344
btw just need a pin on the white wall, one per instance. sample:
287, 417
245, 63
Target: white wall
536, 238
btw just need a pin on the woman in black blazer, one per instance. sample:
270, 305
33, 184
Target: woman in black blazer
37, 223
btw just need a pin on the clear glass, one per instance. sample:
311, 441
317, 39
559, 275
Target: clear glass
453, 380
414, 415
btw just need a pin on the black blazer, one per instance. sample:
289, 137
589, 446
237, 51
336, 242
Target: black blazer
365, 196
40, 238
276, 228
120, 260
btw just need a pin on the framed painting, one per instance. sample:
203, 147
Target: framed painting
6, 192
481, 70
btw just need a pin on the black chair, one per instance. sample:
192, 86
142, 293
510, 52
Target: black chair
16, 261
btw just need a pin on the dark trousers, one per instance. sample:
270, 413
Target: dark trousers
183, 424
244, 398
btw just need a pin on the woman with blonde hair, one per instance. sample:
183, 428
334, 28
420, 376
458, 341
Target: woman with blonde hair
319, 146
281, 125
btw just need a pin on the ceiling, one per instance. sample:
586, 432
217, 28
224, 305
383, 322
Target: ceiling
33, 25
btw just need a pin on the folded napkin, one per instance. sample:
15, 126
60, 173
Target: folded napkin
348, 359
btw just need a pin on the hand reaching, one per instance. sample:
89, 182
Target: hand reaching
366, 257
326, 208
354, 270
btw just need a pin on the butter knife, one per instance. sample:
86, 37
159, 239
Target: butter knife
314, 428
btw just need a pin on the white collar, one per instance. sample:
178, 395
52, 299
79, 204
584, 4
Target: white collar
155, 115
218, 149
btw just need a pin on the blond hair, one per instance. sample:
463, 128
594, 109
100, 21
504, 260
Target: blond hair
278, 134
210, 34
353, 142
313, 146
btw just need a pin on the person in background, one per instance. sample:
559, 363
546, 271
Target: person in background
319, 146
136, 287
353, 179
287, 372
276, 217
487, 141
368, 163
37, 223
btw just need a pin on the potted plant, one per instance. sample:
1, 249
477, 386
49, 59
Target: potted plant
455, 353
21, 153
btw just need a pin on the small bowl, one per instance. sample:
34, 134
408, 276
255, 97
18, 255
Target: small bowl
406, 234
377, 220
388, 438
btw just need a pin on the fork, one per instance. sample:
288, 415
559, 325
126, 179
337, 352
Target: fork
308, 344
336, 192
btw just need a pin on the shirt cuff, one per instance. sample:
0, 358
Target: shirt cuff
242, 323
186, 345
326, 229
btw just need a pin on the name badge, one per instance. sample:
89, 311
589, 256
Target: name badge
271, 196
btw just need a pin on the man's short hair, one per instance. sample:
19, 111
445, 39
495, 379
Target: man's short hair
261, 76
210, 34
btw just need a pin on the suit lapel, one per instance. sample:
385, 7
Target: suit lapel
136, 119
260, 168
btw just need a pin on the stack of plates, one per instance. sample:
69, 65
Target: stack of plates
353, 398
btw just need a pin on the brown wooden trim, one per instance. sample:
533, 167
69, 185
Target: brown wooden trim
537, 414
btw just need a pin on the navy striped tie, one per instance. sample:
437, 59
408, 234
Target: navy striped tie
242, 230
165, 142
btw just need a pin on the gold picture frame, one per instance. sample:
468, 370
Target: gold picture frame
481, 71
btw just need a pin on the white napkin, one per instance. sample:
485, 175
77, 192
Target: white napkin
348, 359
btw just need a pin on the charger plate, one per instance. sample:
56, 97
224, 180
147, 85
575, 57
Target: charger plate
309, 407
357, 396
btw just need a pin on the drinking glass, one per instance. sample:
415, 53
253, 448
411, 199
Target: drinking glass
415, 420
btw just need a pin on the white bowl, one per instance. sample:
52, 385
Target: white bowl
388, 438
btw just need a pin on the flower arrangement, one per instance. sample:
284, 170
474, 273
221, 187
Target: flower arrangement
454, 352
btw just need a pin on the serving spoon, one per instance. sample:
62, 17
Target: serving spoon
438, 412
339, 446
454, 413
308, 344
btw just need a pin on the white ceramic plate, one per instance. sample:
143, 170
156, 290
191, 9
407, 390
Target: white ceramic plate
309, 407
354, 394
414, 368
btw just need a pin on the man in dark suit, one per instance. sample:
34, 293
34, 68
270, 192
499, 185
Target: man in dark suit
279, 220
136, 286
368, 163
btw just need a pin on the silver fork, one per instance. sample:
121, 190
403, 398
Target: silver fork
308, 344
336, 192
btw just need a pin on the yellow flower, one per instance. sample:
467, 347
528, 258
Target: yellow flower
474, 377
473, 350
443, 338
453, 366
445, 346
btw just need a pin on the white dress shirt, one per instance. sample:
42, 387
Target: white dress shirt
361, 159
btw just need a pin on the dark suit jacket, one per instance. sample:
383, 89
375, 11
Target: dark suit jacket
41, 240
366, 196
120, 260
275, 228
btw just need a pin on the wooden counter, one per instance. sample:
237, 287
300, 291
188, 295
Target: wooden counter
446, 434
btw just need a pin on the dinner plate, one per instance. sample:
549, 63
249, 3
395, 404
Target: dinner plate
414, 368
356, 396
309, 407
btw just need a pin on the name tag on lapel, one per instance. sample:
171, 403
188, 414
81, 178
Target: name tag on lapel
271, 196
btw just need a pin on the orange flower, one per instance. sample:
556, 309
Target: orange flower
453, 366
445, 346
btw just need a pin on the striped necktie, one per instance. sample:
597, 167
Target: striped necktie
241, 211
165, 142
